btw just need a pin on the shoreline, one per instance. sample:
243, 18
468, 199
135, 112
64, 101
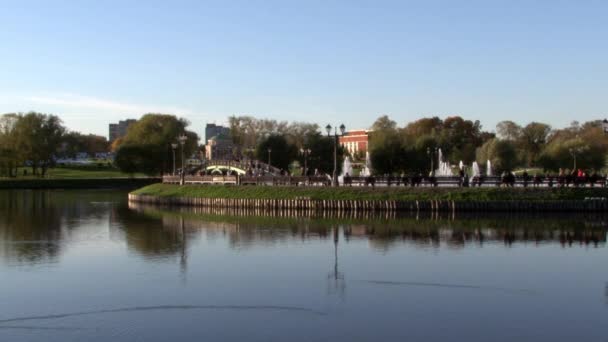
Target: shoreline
385, 200
76, 183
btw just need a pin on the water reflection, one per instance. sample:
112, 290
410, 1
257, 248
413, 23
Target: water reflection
111, 271
254, 228
35, 226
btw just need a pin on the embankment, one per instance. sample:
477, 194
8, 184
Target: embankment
378, 199
78, 183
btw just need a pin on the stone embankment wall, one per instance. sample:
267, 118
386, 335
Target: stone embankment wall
587, 205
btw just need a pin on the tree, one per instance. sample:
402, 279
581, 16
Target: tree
424, 126
38, 138
459, 138
74, 143
139, 158
587, 141
384, 123
508, 130
9, 158
531, 141
502, 154
152, 136
281, 152
321, 155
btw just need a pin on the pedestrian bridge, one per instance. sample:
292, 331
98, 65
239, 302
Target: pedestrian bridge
233, 167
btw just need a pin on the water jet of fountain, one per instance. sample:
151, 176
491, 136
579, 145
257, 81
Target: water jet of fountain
367, 169
346, 168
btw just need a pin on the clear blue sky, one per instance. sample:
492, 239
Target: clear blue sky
93, 62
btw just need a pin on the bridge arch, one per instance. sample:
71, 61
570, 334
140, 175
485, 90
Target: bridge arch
221, 169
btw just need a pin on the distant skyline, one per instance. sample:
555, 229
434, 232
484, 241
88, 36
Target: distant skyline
93, 63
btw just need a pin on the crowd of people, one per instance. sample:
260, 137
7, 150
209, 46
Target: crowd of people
564, 178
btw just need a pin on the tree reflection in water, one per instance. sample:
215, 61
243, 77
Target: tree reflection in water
35, 226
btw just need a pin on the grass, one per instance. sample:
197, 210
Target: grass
76, 172
354, 193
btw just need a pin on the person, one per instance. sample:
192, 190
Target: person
504, 179
347, 180
574, 178
561, 178
465, 180
404, 179
537, 180
525, 178
461, 175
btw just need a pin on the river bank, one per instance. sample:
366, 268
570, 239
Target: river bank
77, 183
378, 199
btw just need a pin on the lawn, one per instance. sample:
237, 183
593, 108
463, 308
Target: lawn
77, 172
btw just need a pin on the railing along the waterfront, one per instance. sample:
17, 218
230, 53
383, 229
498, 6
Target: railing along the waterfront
412, 181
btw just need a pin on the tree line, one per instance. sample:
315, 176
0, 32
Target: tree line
536, 145
37, 140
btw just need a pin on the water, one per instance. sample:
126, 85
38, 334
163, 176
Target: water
347, 169
84, 266
367, 169
443, 167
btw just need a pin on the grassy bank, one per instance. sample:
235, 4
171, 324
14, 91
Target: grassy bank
76, 183
76, 172
353, 193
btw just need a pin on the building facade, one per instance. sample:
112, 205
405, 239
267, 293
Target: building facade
219, 147
355, 142
119, 130
213, 130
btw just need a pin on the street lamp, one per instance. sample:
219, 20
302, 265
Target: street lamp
269, 151
305, 152
173, 147
574, 152
334, 178
431, 152
182, 141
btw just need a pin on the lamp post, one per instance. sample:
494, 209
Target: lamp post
305, 152
334, 178
173, 147
574, 152
431, 152
182, 141
269, 151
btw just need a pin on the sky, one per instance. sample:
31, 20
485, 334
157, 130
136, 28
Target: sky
96, 62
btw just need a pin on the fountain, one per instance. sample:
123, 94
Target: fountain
366, 172
346, 168
475, 169
443, 168
489, 169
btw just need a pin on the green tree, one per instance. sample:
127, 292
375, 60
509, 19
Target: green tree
321, 155
152, 136
38, 138
508, 130
9, 158
531, 141
502, 154
139, 158
281, 152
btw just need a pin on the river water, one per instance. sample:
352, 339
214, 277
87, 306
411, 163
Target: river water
87, 266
